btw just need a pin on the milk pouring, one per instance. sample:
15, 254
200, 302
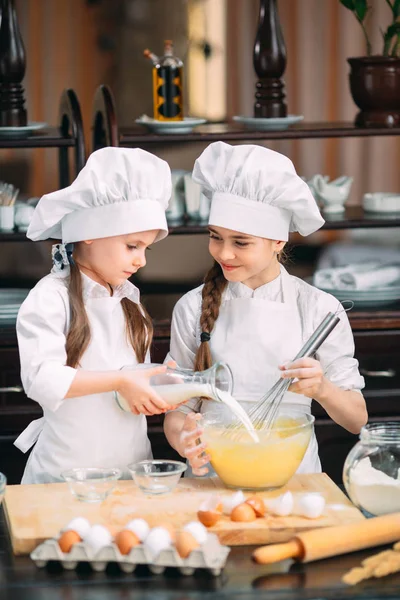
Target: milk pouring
177, 386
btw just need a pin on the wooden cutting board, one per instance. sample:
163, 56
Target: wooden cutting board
37, 512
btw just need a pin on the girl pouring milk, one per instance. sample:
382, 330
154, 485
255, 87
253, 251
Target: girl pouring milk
83, 322
250, 313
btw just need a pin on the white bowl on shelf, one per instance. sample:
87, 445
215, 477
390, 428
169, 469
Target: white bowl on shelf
382, 202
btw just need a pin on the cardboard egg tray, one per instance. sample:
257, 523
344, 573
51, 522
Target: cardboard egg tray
211, 555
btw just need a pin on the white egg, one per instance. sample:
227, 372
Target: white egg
157, 540
282, 506
309, 505
98, 537
198, 531
229, 502
140, 527
211, 502
80, 525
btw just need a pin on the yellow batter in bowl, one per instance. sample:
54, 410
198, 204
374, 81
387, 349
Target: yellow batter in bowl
242, 463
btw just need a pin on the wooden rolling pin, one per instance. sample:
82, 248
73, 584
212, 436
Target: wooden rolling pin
331, 541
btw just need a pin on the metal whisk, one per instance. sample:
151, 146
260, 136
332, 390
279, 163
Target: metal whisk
264, 413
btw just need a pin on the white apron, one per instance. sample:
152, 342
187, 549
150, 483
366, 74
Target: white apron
254, 336
89, 431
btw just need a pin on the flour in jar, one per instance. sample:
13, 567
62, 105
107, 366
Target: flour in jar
373, 490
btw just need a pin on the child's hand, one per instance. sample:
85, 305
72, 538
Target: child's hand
134, 386
189, 446
310, 376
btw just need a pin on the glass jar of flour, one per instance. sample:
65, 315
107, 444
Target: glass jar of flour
371, 470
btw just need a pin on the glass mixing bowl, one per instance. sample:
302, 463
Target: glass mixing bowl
157, 476
92, 484
242, 463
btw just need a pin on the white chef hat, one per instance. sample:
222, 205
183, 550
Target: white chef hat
119, 191
256, 191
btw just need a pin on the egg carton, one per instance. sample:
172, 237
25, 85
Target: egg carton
211, 555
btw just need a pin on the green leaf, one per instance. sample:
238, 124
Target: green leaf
393, 29
361, 9
350, 4
396, 9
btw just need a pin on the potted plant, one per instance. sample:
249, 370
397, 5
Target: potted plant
375, 79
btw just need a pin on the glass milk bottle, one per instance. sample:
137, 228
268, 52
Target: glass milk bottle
176, 386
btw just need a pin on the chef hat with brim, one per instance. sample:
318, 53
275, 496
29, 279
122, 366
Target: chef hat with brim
119, 191
256, 191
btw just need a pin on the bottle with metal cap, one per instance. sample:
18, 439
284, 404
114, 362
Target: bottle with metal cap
167, 84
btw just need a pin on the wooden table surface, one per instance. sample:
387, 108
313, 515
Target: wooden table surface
20, 579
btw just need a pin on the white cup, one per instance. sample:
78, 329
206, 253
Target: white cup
6, 218
197, 204
23, 215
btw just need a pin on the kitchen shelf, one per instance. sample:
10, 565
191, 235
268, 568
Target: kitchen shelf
68, 135
211, 132
353, 217
48, 137
13, 236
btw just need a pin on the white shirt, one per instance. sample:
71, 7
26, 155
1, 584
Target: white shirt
87, 431
336, 354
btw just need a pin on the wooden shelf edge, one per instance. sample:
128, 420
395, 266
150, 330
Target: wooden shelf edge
230, 131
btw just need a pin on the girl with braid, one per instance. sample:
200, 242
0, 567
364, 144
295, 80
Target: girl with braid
83, 322
250, 313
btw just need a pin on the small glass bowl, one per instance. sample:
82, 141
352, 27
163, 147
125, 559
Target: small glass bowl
91, 484
3, 483
157, 476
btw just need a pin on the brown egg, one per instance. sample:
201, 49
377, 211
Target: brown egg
68, 539
243, 512
126, 540
257, 504
185, 543
208, 517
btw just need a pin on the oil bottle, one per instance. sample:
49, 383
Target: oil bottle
167, 84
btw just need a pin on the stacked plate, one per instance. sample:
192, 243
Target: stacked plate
10, 301
373, 297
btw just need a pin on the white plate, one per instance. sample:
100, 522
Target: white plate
263, 124
172, 127
21, 131
375, 297
382, 202
12, 295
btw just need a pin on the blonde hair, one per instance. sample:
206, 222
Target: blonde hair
214, 285
139, 328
